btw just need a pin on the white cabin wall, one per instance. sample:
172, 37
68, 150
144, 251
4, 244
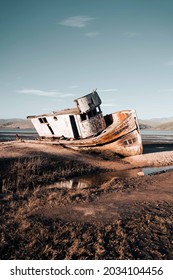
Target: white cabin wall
42, 128
61, 126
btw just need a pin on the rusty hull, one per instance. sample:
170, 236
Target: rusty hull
123, 138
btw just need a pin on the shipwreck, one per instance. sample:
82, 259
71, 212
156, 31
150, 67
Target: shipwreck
85, 127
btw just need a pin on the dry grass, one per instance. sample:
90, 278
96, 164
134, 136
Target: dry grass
145, 233
24, 182
24, 173
27, 236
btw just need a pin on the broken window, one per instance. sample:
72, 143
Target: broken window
128, 142
92, 101
98, 109
43, 120
40, 120
94, 112
135, 139
90, 114
83, 116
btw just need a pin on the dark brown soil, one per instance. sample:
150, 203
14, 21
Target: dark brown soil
128, 218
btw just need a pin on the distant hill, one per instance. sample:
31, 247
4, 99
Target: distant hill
165, 126
157, 124
15, 123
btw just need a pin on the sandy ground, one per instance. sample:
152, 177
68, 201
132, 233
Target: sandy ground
152, 159
124, 218
16, 149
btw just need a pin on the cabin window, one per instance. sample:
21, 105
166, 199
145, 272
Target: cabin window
128, 142
94, 112
98, 109
55, 118
43, 120
83, 116
135, 139
90, 114
40, 120
92, 101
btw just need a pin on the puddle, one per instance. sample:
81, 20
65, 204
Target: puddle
93, 180
85, 182
152, 170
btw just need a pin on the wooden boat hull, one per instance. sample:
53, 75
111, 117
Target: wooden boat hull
85, 127
123, 138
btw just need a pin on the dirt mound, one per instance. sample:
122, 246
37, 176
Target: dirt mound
152, 159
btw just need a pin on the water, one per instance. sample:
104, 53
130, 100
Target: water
147, 135
157, 136
93, 180
157, 141
90, 181
153, 170
10, 134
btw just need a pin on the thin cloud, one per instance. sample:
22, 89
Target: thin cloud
38, 92
92, 34
77, 21
108, 90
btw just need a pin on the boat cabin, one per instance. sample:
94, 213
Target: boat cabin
83, 121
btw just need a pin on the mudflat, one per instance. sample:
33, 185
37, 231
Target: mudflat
121, 218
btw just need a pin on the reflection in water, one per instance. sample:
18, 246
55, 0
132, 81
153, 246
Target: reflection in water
94, 180
77, 183
99, 179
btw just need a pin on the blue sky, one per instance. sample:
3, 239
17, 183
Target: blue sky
53, 51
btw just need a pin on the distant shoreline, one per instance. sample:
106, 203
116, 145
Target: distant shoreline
152, 139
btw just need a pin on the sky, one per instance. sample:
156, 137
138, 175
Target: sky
54, 51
